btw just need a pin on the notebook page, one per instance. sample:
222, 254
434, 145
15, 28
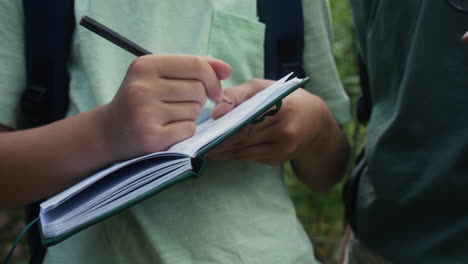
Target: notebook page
118, 186
52, 229
211, 129
73, 190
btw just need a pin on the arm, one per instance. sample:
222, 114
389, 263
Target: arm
303, 131
325, 156
38, 162
155, 107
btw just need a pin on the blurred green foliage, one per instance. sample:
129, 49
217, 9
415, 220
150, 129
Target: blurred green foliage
323, 214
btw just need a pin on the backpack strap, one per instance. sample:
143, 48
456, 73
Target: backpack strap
48, 28
364, 105
284, 37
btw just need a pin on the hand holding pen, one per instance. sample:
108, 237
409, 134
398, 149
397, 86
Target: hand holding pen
159, 99
129, 45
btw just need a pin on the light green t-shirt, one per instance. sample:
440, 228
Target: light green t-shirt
237, 212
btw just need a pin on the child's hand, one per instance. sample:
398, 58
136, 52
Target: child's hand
278, 138
159, 99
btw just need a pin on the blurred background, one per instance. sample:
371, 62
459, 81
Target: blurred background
321, 214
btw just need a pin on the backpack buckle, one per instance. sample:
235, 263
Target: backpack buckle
35, 100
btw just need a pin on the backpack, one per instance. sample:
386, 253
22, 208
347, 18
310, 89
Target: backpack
45, 98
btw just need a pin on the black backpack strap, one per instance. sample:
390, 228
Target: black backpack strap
284, 37
48, 28
364, 106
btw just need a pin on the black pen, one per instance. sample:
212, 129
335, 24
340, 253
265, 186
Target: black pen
119, 40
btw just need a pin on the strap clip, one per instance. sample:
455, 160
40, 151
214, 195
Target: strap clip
268, 113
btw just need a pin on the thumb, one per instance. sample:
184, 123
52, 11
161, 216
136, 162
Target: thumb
222, 69
239, 94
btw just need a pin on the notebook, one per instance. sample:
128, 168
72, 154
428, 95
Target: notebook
129, 182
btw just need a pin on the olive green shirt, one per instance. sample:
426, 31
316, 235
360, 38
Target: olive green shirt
412, 202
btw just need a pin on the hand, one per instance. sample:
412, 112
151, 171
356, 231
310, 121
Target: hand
158, 101
155, 106
465, 38
278, 138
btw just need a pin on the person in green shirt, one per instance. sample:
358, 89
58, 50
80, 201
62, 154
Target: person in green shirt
409, 205
239, 211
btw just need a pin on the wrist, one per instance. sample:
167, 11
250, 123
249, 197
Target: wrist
318, 136
316, 160
101, 134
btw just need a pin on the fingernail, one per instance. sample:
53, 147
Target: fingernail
226, 100
218, 98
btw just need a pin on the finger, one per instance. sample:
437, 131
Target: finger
465, 38
250, 135
256, 152
222, 108
255, 134
180, 111
222, 69
177, 90
268, 130
178, 66
175, 132
224, 153
264, 152
241, 139
239, 94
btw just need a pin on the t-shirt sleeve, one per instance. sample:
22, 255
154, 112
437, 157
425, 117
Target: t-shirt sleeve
12, 68
319, 62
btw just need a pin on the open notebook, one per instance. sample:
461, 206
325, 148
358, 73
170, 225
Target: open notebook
127, 183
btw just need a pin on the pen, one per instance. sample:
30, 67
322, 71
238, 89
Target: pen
119, 40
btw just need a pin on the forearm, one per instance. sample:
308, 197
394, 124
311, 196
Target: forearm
321, 163
39, 162
155, 107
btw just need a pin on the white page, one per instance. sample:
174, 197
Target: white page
211, 129
58, 228
85, 200
63, 196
